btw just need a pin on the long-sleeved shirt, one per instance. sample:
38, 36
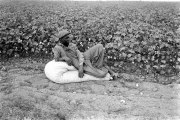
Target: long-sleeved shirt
71, 51
93, 55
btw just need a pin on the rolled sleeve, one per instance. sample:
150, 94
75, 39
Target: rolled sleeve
81, 57
58, 53
79, 54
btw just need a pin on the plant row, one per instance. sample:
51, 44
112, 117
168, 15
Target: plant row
145, 35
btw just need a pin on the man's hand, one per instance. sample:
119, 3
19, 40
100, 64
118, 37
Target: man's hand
68, 60
81, 73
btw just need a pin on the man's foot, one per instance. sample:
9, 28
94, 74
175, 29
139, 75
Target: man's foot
114, 76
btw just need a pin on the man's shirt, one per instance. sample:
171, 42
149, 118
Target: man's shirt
71, 51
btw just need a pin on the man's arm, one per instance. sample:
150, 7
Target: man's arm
80, 58
59, 55
81, 61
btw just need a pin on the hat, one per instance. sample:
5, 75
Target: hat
62, 33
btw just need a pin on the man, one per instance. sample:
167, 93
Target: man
90, 62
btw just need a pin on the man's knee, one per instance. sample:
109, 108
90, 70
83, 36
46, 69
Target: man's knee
93, 51
99, 46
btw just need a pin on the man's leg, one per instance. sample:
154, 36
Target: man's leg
94, 58
96, 55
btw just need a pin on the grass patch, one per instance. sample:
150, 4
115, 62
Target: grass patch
19, 108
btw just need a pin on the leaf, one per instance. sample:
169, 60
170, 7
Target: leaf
156, 61
34, 27
109, 45
115, 45
129, 55
122, 48
119, 44
177, 40
35, 43
126, 42
118, 39
132, 59
131, 45
117, 33
162, 72
138, 59
26, 37
143, 58
130, 30
123, 34
9, 52
19, 41
131, 51
124, 54
155, 66
163, 61
148, 66
144, 43
162, 66
116, 64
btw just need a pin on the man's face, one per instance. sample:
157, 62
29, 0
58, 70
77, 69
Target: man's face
69, 38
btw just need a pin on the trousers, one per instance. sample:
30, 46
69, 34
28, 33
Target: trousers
93, 61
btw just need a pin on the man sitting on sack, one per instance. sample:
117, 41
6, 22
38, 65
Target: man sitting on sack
90, 62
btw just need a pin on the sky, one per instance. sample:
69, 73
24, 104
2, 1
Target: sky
114, 0
126, 0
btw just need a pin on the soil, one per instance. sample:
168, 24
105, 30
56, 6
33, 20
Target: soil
26, 94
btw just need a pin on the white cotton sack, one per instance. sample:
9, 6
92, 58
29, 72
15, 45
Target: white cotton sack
61, 72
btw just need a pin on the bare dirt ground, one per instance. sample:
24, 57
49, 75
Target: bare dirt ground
26, 94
